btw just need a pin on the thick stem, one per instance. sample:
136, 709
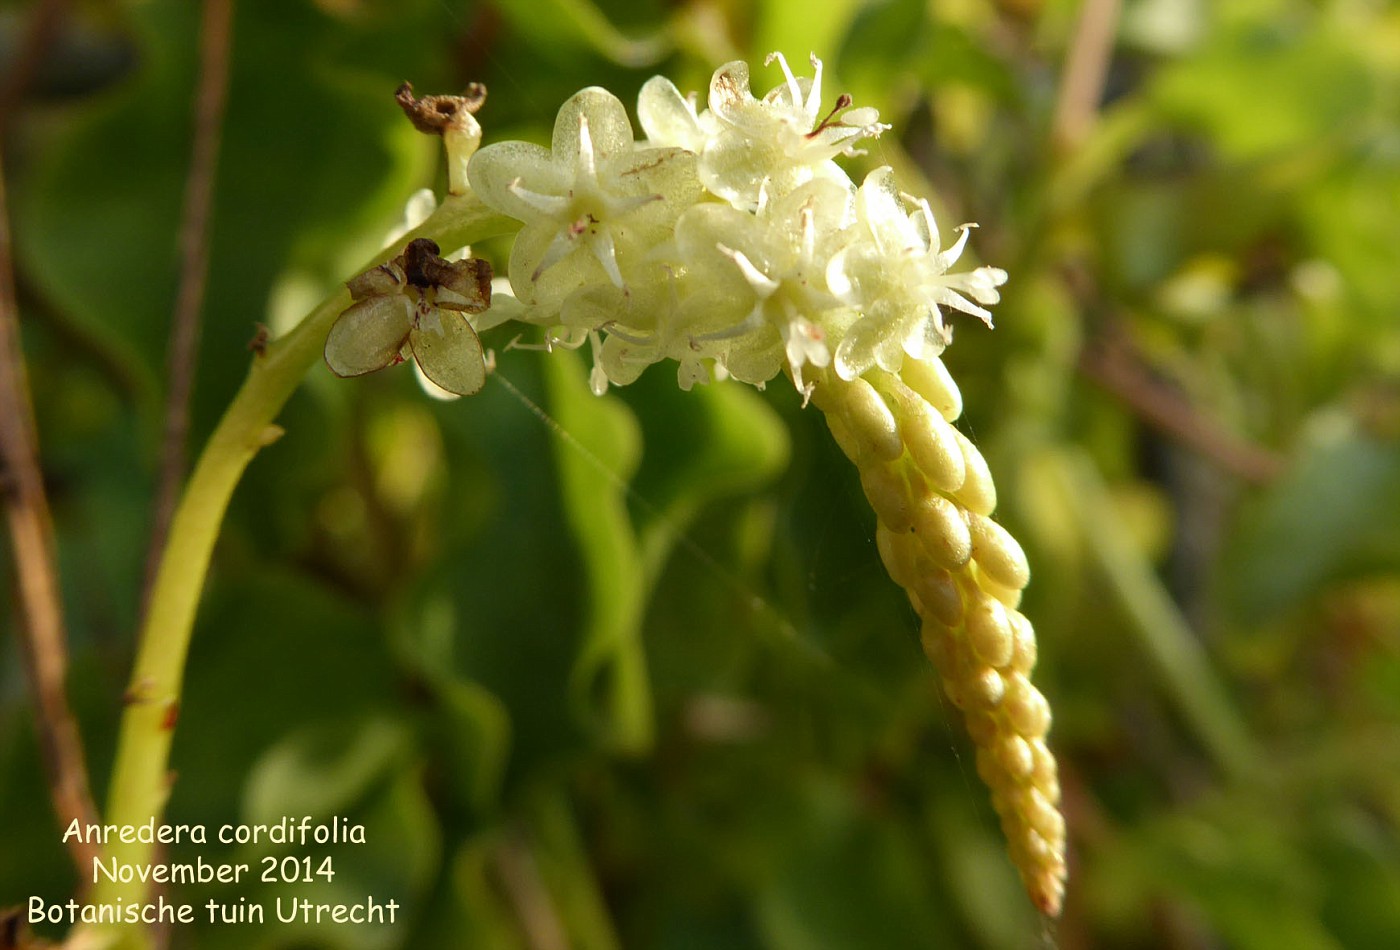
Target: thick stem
140, 778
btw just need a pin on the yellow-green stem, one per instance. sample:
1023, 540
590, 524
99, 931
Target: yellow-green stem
140, 784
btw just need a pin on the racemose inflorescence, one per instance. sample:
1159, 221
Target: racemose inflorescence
729, 241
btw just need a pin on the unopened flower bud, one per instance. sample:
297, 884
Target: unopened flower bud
942, 531
998, 553
930, 379
871, 421
978, 492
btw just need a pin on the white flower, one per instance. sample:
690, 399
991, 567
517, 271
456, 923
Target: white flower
669, 119
783, 137
896, 275
768, 271
593, 205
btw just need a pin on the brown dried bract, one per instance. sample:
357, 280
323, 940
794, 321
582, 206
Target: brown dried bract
434, 115
469, 279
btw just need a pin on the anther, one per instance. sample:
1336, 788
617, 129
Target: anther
843, 102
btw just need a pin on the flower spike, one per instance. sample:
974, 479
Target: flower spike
730, 241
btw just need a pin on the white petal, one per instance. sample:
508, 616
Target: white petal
609, 131
667, 117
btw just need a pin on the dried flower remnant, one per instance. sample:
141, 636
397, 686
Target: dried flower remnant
452, 117
415, 306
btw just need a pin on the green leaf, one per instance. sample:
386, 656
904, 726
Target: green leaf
1329, 518
1266, 86
709, 443
323, 769
595, 458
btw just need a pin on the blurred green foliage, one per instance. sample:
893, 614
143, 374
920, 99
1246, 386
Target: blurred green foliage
634, 677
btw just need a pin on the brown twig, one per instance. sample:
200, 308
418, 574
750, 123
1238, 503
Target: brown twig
521, 880
1115, 367
1086, 69
215, 40
43, 641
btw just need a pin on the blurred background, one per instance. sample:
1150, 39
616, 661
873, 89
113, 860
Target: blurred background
635, 677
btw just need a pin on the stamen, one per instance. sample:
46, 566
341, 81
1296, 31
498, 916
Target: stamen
814, 98
793, 88
606, 252
949, 257
558, 249
611, 328
809, 232
587, 160
843, 102
762, 284
552, 205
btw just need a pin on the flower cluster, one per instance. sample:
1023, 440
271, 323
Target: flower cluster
728, 239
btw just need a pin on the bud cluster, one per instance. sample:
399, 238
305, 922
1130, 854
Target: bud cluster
933, 496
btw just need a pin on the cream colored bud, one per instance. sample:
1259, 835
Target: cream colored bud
997, 553
929, 438
933, 444
1026, 708
888, 493
1042, 815
1015, 757
871, 421
931, 380
985, 688
989, 632
1046, 775
978, 491
1024, 653
938, 593
937, 642
1037, 848
942, 531
1047, 889
897, 553
845, 440
982, 729
1009, 596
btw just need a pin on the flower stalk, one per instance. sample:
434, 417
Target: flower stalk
141, 778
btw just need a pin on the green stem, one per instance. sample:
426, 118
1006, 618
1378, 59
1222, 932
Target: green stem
140, 783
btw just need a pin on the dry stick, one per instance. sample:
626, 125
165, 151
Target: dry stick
1086, 69
42, 637
1123, 374
528, 894
183, 356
